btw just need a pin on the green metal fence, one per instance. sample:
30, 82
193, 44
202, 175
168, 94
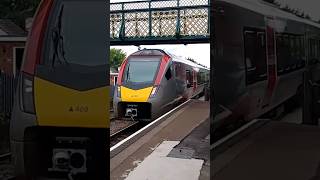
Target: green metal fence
160, 21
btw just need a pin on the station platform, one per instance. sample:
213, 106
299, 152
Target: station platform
272, 150
177, 148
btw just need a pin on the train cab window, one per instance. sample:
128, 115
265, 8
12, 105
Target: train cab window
69, 46
255, 56
141, 70
168, 74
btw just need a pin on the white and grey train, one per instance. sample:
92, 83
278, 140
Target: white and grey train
152, 80
260, 56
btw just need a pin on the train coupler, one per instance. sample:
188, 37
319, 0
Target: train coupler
69, 160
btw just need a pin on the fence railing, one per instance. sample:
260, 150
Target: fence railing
7, 91
156, 21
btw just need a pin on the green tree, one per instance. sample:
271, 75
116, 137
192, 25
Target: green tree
18, 10
116, 57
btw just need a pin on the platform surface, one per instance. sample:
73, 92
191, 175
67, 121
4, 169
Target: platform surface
158, 166
278, 150
143, 155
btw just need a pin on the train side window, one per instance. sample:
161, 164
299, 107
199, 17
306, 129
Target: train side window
310, 48
255, 56
316, 45
189, 78
293, 54
279, 47
303, 51
318, 49
168, 74
298, 49
200, 78
177, 72
281, 53
312, 51
285, 55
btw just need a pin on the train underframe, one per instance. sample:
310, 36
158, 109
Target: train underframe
148, 111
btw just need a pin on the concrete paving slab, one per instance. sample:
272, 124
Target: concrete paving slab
157, 166
197, 146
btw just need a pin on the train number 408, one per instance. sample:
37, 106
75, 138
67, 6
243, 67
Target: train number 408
78, 109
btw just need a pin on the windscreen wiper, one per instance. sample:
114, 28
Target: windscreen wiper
128, 76
58, 41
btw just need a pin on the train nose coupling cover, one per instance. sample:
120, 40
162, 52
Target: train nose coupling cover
131, 112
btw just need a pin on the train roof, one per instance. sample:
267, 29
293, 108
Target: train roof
268, 9
174, 57
185, 61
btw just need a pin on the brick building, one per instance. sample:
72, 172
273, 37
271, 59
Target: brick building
12, 43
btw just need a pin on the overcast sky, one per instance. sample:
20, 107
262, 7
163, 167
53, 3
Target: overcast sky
200, 52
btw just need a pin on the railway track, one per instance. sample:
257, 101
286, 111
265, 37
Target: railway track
117, 126
121, 129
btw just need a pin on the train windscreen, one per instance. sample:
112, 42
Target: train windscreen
76, 34
140, 70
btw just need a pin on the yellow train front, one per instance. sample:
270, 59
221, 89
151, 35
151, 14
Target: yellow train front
152, 81
59, 124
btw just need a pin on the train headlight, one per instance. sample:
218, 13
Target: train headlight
154, 92
118, 91
27, 94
